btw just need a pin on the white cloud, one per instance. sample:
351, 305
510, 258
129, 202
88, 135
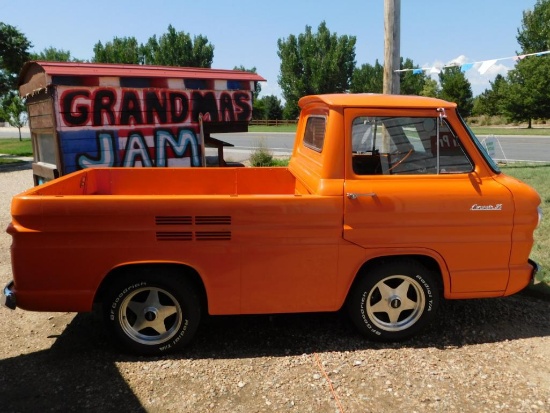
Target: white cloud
460, 60
271, 88
479, 81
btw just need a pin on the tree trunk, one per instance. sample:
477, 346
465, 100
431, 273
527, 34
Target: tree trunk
19, 129
529, 125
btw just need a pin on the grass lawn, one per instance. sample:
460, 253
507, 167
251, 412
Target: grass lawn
498, 130
15, 147
538, 177
282, 128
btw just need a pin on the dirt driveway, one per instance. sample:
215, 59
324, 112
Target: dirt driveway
479, 355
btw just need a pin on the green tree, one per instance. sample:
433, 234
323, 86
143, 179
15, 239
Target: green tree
51, 54
527, 90
490, 101
258, 109
313, 63
120, 50
14, 53
257, 86
430, 88
368, 78
14, 111
456, 88
411, 83
534, 34
178, 49
170, 49
526, 95
273, 107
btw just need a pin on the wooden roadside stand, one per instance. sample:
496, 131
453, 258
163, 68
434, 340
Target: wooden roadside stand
85, 115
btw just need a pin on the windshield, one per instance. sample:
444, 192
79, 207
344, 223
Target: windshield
493, 165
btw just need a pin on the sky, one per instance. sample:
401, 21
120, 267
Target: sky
245, 32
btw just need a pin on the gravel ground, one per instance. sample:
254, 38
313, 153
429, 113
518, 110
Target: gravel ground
478, 356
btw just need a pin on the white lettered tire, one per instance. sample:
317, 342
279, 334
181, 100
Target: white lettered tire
394, 301
151, 313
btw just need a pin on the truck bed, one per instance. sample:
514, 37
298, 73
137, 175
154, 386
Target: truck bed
87, 224
171, 181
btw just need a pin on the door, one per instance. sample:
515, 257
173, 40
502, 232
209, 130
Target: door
411, 184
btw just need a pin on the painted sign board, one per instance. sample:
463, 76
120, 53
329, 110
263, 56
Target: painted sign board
86, 115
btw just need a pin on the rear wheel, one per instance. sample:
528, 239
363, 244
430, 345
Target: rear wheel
152, 313
394, 301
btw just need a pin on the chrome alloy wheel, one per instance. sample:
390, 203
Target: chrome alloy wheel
395, 303
150, 315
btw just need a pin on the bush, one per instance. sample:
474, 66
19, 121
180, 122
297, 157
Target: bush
280, 162
261, 157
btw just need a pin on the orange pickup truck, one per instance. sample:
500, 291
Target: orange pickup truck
389, 204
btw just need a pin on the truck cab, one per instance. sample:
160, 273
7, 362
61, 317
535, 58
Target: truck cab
414, 178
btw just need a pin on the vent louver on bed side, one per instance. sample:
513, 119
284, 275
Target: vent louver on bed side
213, 220
200, 220
173, 220
174, 236
213, 235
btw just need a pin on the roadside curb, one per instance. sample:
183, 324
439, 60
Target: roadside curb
20, 163
16, 166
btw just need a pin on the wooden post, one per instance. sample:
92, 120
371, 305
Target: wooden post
392, 53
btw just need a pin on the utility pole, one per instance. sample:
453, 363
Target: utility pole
392, 53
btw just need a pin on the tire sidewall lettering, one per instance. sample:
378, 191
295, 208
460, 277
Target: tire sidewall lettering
115, 306
422, 307
366, 320
427, 290
121, 295
177, 338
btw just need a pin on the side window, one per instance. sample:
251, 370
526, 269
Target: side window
401, 145
46, 148
314, 135
452, 158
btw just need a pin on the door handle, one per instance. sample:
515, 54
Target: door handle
353, 195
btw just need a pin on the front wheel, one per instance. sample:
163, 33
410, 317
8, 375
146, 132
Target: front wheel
394, 301
150, 313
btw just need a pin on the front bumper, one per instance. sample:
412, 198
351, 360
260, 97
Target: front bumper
7, 299
534, 272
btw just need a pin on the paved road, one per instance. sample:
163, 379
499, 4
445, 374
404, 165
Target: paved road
522, 148
511, 148
279, 144
9, 132
508, 147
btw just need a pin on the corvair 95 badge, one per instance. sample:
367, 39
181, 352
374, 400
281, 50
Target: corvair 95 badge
477, 207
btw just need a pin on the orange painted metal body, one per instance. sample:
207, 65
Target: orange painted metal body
275, 240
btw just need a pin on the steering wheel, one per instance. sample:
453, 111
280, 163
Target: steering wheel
400, 161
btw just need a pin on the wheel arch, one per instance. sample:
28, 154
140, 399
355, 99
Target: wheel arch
430, 262
174, 269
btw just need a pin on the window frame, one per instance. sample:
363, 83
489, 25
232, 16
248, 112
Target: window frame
310, 143
401, 121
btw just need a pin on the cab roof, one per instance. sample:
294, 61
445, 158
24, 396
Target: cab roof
373, 100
